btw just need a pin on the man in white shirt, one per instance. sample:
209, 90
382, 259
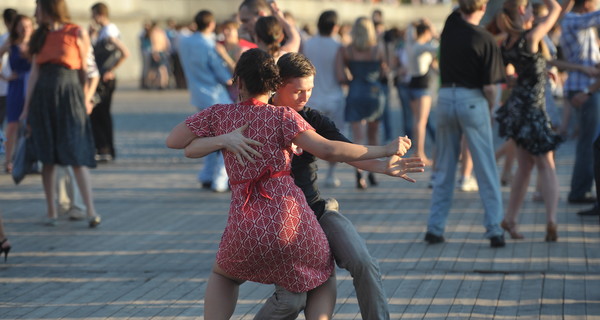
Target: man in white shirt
9, 16
323, 50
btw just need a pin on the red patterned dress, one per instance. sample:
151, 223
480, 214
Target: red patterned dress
272, 235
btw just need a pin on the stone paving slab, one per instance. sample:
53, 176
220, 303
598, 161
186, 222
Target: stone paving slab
152, 254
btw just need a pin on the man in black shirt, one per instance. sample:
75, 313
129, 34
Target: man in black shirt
470, 67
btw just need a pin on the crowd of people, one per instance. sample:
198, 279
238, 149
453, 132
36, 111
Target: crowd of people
296, 96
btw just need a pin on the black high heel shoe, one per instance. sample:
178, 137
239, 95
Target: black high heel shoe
360, 181
5, 248
372, 180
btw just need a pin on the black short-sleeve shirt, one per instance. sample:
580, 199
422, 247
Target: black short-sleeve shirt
469, 55
304, 166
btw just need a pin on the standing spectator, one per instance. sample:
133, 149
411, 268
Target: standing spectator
20, 64
8, 16
523, 117
579, 42
323, 50
55, 108
145, 50
270, 32
470, 68
422, 57
401, 80
366, 100
110, 53
207, 77
158, 72
249, 12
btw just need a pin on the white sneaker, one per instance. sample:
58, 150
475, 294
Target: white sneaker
467, 184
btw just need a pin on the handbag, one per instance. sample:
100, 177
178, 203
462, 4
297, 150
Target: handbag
106, 54
23, 162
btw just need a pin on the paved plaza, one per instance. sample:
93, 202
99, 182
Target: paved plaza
151, 256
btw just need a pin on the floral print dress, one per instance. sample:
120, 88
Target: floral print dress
523, 116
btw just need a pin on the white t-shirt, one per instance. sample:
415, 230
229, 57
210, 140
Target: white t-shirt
327, 95
108, 31
5, 67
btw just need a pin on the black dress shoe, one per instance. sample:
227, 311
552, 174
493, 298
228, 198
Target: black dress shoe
206, 185
583, 200
594, 211
497, 241
433, 239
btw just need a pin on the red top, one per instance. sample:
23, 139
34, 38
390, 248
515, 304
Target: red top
61, 48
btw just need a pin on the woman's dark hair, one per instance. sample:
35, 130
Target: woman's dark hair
295, 65
55, 10
14, 34
327, 22
270, 32
258, 72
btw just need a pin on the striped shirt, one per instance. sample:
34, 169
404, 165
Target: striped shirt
580, 46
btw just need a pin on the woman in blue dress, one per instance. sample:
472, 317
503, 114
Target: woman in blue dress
17, 47
366, 99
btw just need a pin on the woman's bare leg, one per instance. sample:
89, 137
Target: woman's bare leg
221, 295
320, 301
11, 141
466, 160
421, 108
548, 185
519, 186
84, 182
49, 181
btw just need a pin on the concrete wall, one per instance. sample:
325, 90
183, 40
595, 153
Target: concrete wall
129, 15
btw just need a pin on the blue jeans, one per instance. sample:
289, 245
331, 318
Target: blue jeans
464, 111
350, 253
588, 116
214, 171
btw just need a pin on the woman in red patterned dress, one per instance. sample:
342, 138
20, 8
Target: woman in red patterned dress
271, 236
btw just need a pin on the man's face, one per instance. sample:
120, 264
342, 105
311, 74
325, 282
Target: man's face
295, 92
248, 20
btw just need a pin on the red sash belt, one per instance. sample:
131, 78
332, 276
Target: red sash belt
256, 183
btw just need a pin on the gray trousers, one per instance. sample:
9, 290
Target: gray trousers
350, 253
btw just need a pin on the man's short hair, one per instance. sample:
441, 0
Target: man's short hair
100, 8
256, 6
327, 21
9, 16
579, 3
295, 65
470, 6
203, 19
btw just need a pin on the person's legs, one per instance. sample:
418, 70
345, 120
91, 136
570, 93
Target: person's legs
84, 182
48, 181
407, 115
474, 117
282, 305
420, 108
518, 191
11, 142
351, 253
320, 301
220, 181
68, 195
549, 188
446, 159
221, 295
583, 170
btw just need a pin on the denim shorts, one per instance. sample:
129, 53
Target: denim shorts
416, 93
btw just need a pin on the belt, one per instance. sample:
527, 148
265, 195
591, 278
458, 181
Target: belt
449, 85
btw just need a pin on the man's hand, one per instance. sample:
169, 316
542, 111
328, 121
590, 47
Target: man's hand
399, 146
401, 167
236, 143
